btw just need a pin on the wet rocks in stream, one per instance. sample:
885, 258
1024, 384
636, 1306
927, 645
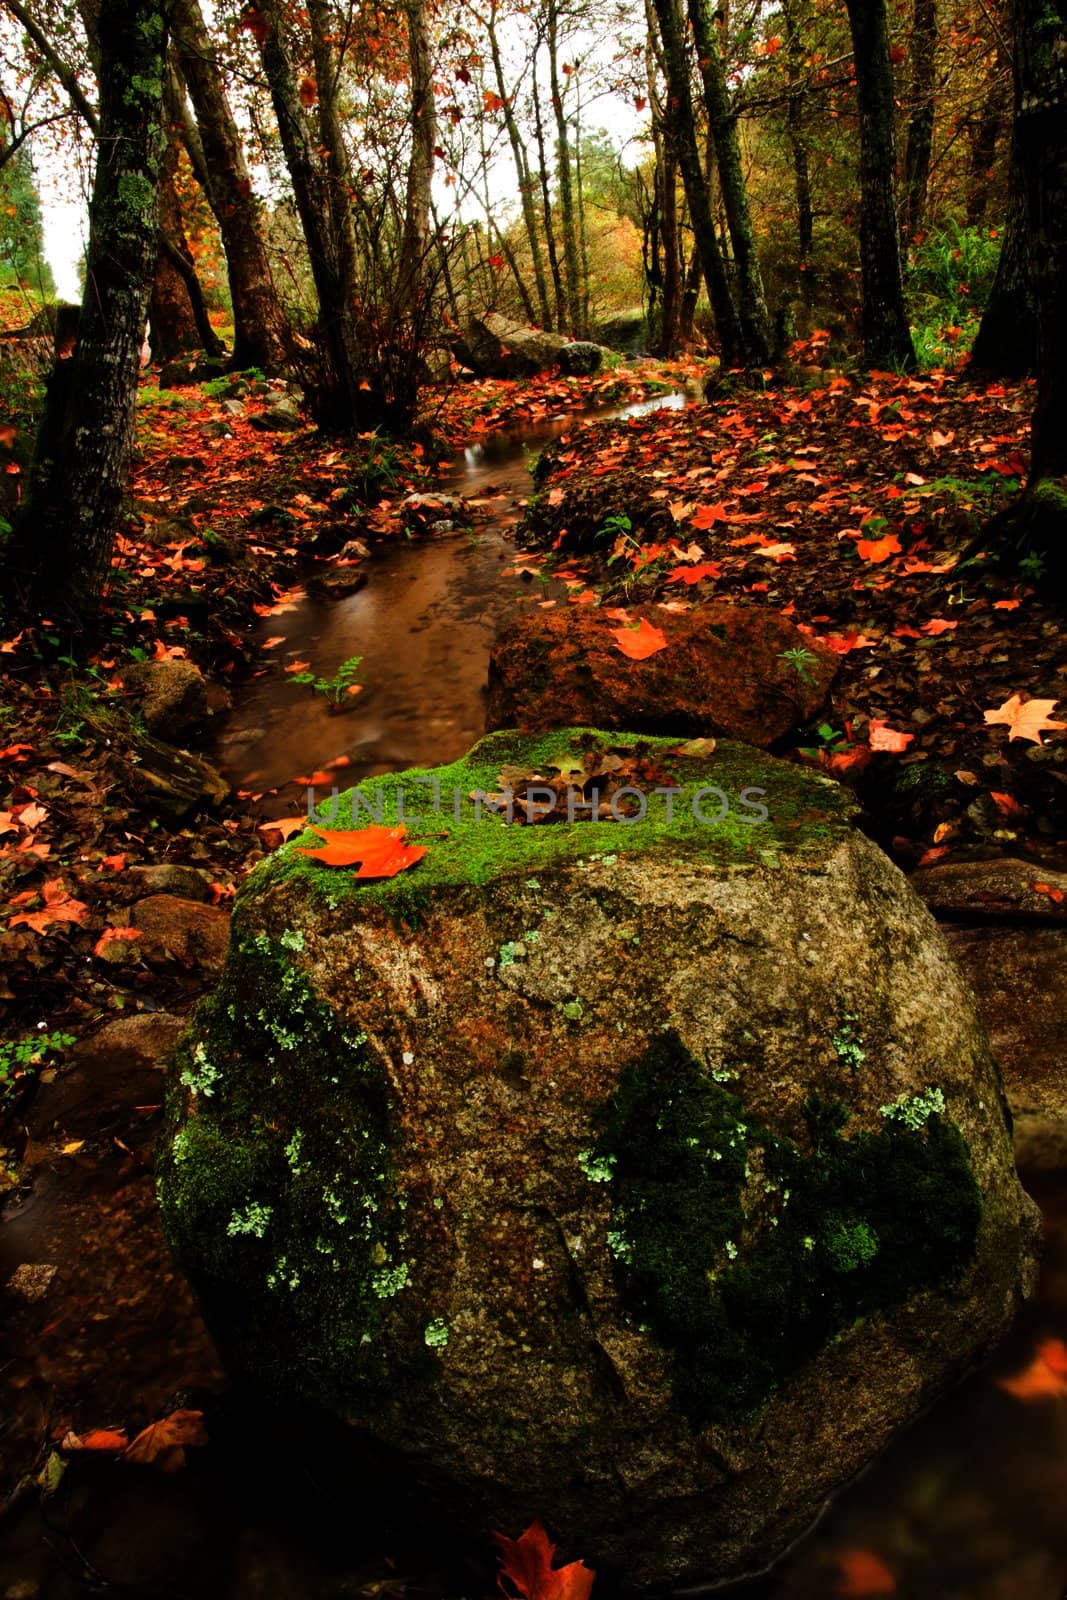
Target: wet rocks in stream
648, 1174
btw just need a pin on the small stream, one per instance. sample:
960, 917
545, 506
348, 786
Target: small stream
424, 625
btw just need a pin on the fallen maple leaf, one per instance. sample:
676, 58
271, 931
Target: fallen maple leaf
641, 641
32, 816
862, 1574
59, 906
526, 1562
777, 552
938, 625
707, 569
885, 738
1057, 896
286, 826
106, 1439
1046, 1376
707, 516
163, 1444
1027, 719
380, 851
877, 550
114, 863
1006, 605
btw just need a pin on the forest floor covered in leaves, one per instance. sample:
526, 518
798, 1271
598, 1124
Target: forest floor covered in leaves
853, 507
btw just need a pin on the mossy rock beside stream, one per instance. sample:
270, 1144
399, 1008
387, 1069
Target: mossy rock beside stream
644, 1176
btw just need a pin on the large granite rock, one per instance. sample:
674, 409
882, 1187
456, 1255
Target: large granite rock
726, 670
644, 1176
494, 346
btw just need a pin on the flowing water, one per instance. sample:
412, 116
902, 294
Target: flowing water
423, 624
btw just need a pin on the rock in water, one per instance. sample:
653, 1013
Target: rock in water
644, 1176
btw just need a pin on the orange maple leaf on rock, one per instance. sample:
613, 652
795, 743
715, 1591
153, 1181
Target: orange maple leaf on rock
527, 1564
380, 851
641, 642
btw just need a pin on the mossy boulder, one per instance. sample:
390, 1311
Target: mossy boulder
644, 1176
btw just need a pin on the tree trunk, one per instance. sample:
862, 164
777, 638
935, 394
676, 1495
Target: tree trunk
751, 302
561, 317
323, 203
1006, 343
61, 548
262, 337
919, 145
796, 137
886, 335
1037, 523
522, 170
566, 187
994, 115
680, 131
416, 239
177, 312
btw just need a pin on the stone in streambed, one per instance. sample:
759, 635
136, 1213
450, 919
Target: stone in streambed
726, 669
644, 1176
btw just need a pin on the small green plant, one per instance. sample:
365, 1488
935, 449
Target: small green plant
336, 689
220, 388
1033, 567
615, 526
20, 1059
800, 660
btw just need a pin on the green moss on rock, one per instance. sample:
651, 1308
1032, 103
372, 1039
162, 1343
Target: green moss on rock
470, 844
241, 1187
745, 1252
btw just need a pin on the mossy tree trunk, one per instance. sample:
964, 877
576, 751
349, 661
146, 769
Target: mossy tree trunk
262, 337
751, 301
886, 335
680, 130
60, 552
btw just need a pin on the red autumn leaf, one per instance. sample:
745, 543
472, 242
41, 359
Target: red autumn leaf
380, 851
284, 826
884, 738
842, 643
707, 569
309, 92
107, 1440
1046, 1376
641, 642
707, 516
526, 1563
938, 625
115, 863
1057, 896
877, 550
59, 906
904, 632
1006, 605
862, 1574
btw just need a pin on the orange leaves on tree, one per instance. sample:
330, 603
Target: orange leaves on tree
863, 1574
884, 738
1046, 1376
255, 23
1027, 719
640, 640
492, 102
309, 92
380, 851
526, 1564
59, 906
